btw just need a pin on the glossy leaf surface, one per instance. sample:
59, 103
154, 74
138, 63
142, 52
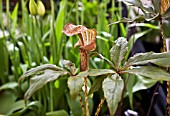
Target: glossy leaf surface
118, 51
161, 59
75, 83
113, 87
39, 81
150, 72
98, 72
41, 76
138, 3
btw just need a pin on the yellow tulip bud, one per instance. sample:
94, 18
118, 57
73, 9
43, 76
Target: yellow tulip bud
33, 7
40, 8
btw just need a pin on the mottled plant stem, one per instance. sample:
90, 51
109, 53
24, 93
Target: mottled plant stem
83, 60
83, 67
82, 105
99, 106
163, 36
168, 83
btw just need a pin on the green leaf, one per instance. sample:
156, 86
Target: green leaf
16, 106
70, 66
34, 107
105, 59
41, 76
161, 59
134, 38
98, 72
130, 80
136, 19
75, 83
136, 83
143, 83
157, 5
151, 26
57, 113
118, 51
123, 27
150, 72
39, 69
58, 28
74, 105
39, 81
7, 99
113, 87
23, 52
97, 84
14, 17
9, 85
60, 19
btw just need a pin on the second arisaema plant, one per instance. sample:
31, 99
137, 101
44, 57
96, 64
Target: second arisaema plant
158, 10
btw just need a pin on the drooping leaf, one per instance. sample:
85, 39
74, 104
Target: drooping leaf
38, 81
98, 72
151, 26
118, 51
97, 84
150, 72
41, 76
138, 3
161, 59
71, 66
38, 69
113, 87
75, 83
57, 113
136, 19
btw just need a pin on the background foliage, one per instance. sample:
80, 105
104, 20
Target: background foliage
27, 41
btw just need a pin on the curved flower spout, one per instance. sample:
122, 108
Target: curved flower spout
87, 36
